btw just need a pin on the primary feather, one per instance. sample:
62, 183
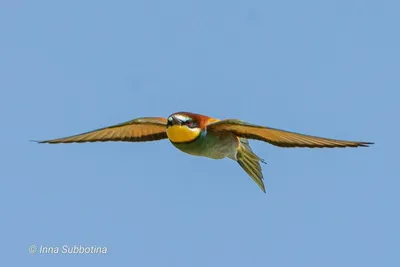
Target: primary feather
279, 137
137, 130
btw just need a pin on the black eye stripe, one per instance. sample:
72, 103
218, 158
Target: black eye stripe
169, 121
182, 121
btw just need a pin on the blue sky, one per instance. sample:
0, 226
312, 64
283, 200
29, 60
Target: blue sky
327, 68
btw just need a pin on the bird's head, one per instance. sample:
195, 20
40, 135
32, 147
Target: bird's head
183, 127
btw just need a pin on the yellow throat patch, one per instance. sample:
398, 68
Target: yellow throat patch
180, 134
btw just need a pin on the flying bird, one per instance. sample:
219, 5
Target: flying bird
204, 136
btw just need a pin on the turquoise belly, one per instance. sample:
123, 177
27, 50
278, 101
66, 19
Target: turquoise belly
203, 146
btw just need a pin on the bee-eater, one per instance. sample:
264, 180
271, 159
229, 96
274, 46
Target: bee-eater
204, 136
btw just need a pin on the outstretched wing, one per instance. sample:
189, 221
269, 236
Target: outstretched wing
278, 137
137, 130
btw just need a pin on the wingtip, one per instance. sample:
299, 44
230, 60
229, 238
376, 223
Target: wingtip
262, 187
38, 142
367, 144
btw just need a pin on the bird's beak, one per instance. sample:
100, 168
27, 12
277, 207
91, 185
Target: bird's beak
175, 121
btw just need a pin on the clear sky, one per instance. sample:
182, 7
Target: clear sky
327, 68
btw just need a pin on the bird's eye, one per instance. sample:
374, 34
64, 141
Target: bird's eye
191, 124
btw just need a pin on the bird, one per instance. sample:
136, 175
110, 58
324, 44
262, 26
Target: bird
204, 136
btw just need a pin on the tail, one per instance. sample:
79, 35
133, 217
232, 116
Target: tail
250, 162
